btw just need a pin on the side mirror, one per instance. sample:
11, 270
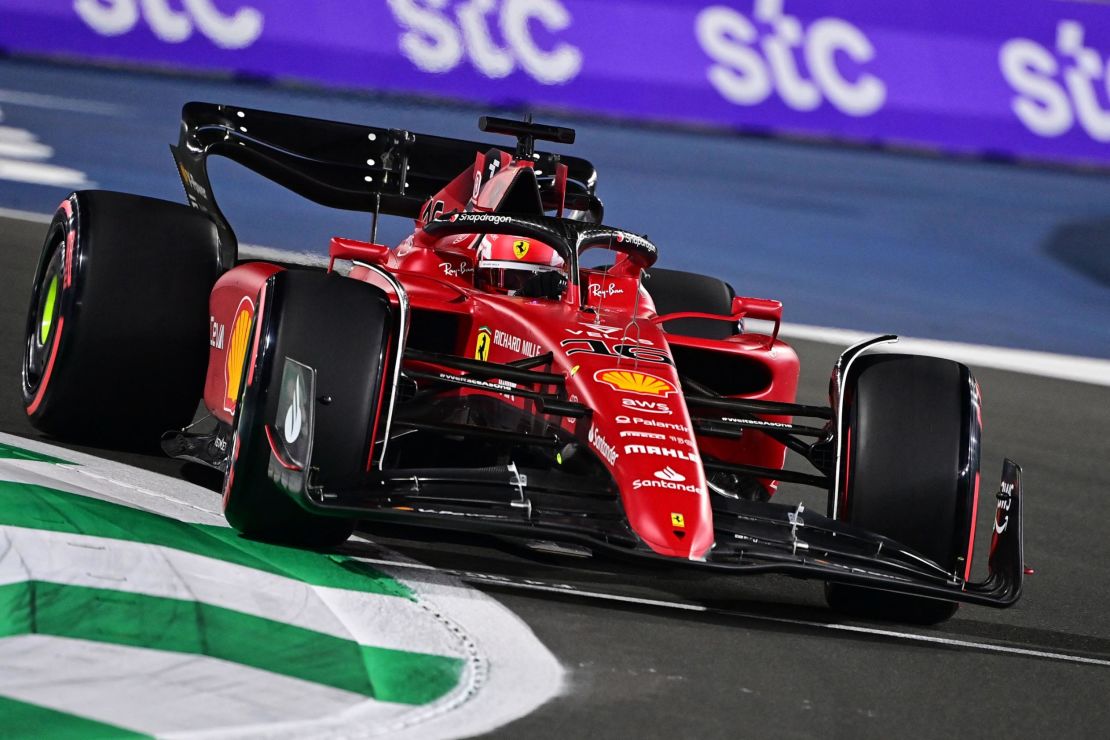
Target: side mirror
353, 249
765, 309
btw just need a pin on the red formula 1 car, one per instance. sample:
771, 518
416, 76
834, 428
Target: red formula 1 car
514, 367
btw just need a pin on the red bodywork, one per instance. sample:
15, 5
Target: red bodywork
605, 339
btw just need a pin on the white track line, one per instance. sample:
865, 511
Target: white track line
1044, 364
56, 102
43, 173
570, 590
258, 252
17, 215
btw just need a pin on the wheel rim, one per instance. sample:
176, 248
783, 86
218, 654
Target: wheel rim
43, 322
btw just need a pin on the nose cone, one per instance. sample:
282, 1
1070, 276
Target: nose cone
670, 511
692, 543
641, 430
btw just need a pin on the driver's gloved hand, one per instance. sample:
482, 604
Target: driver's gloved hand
548, 284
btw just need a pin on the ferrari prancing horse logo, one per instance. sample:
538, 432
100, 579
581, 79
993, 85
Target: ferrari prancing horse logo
481, 347
520, 248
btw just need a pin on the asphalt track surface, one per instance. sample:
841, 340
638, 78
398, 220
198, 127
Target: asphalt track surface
666, 656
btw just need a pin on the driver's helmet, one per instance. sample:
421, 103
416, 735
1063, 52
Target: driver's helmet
511, 264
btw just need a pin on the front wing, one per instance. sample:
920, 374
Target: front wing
551, 505
750, 537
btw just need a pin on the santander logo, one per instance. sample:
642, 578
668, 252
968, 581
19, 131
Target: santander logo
669, 473
603, 447
667, 479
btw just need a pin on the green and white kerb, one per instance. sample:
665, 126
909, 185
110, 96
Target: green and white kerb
117, 620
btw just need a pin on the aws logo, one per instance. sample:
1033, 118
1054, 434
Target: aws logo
647, 407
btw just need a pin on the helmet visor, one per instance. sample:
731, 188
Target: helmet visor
506, 276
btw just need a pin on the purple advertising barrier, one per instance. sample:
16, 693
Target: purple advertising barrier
1025, 78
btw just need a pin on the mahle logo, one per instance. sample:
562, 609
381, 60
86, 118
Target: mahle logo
1055, 89
437, 42
773, 52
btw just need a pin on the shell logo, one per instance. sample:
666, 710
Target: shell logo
237, 352
634, 381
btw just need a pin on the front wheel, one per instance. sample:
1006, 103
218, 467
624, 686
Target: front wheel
909, 471
312, 382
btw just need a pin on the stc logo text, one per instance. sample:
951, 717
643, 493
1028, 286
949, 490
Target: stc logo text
237, 29
775, 53
1056, 90
495, 35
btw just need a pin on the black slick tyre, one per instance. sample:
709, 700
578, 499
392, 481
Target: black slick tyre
116, 342
341, 329
674, 290
910, 472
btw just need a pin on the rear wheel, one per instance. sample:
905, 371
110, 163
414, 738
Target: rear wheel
910, 471
116, 339
340, 328
673, 291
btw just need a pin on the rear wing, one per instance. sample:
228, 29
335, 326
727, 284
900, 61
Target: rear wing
340, 165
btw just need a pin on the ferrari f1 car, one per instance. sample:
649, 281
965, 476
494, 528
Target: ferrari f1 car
513, 367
